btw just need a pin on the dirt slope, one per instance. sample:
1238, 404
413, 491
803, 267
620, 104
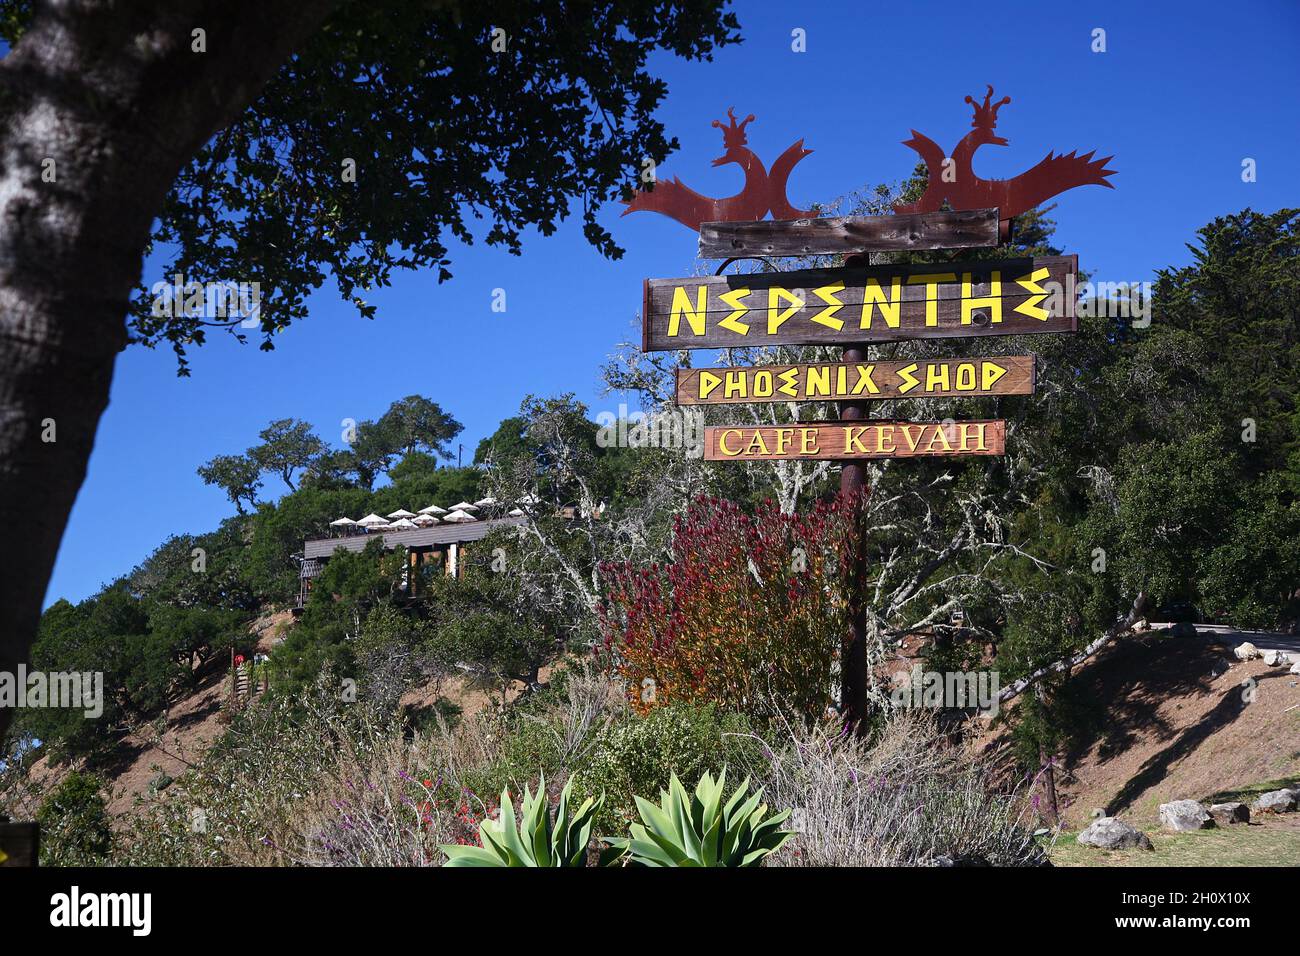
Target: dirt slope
1178, 724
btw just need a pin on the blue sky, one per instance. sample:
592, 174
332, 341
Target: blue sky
1184, 92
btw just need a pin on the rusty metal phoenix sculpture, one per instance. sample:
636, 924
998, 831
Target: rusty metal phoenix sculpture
953, 179
764, 190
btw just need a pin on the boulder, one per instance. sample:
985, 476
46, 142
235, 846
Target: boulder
1181, 815
1277, 801
1108, 833
1246, 651
1295, 668
1183, 629
1275, 658
1226, 814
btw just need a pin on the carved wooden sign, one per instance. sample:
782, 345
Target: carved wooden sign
865, 439
857, 381
861, 304
970, 229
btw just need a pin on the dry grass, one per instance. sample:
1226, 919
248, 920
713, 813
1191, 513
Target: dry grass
1274, 842
905, 798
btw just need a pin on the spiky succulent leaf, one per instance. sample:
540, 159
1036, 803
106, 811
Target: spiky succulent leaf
535, 839
699, 829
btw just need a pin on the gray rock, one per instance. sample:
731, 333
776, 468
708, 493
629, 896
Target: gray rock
1277, 801
1183, 629
1295, 668
1226, 814
1275, 658
160, 781
1246, 651
1182, 815
1108, 833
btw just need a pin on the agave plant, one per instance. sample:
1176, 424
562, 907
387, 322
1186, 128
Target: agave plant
700, 830
538, 840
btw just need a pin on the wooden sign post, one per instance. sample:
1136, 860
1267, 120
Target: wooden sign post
860, 304
855, 306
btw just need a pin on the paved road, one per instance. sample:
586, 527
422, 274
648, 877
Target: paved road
1264, 640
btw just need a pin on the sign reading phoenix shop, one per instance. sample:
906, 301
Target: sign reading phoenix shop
858, 381
861, 304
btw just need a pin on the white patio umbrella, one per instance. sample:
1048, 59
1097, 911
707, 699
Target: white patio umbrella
464, 506
528, 499
487, 502
403, 523
458, 516
372, 521
515, 512
433, 510
341, 522
402, 513
425, 521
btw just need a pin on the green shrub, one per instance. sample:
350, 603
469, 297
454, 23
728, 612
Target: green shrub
640, 754
74, 822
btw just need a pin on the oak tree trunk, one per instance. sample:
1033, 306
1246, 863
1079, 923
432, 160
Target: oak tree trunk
101, 105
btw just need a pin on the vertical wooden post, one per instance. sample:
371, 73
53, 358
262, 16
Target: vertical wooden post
853, 484
853, 656
1050, 811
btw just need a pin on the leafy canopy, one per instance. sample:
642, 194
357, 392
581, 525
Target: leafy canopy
401, 123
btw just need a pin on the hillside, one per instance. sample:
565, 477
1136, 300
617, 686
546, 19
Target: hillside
1176, 725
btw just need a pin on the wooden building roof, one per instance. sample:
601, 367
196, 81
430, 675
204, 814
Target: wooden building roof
411, 538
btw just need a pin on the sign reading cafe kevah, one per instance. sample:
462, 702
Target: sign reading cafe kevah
868, 439
861, 304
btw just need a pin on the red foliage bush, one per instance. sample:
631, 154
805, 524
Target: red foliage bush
749, 614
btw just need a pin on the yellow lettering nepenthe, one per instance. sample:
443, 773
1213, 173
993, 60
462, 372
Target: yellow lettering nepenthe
776, 317
695, 313
732, 321
826, 316
931, 282
873, 297
1030, 283
971, 302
